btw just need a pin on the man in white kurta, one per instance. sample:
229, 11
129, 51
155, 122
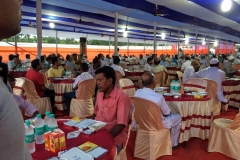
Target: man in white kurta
186, 63
141, 60
214, 74
148, 66
171, 121
189, 71
116, 67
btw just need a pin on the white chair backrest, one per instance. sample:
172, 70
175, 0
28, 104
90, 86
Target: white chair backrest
197, 84
127, 86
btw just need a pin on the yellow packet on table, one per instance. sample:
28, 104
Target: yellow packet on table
198, 96
77, 119
87, 146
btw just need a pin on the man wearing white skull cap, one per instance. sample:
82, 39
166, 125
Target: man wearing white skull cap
228, 68
215, 74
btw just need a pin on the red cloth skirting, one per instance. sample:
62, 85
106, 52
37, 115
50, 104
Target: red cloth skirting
174, 68
17, 74
196, 117
67, 81
186, 98
102, 138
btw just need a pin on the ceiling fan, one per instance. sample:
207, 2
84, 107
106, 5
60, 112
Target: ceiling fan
80, 21
31, 25
147, 32
74, 30
158, 13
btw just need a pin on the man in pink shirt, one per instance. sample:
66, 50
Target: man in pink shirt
112, 106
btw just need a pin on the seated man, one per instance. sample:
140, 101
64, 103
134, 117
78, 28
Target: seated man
159, 68
103, 62
83, 76
116, 67
56, 70
29, 108
27, 60
228, 67
112, 106
164, 62
215, 74
186, 63
14, 64
148, 65
38, 80
141, 60
171, 121
71, 64
190, 70
95, 66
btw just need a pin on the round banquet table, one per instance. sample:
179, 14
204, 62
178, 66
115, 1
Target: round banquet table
17, 74
236, 75
60, 87
196, 116
102, 138
172, 73
231, 91
134, 76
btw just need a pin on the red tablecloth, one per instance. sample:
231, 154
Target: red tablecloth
186, 98
102, 138
237, 74
64, 81
174, 68
17, 74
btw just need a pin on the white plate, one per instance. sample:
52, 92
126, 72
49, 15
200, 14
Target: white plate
167, 94
176, 94
203, 92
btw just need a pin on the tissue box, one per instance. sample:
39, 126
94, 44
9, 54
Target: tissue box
47, 141
62, 140
54, 142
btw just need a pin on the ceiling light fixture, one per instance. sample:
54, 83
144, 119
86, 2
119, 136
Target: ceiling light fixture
215, 44
226, 5
203, 42
125, 32
163, 36
52, 25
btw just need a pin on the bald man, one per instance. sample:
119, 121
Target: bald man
190, 70
171, 121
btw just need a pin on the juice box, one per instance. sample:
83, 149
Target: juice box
54, 142
47, 141
62, 140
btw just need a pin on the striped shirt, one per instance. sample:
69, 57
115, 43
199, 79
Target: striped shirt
82, 77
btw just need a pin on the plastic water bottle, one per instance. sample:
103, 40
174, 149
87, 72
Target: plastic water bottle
172, 87
46, 120
52, 123
39, 130
67, 73
177, 86
29, 137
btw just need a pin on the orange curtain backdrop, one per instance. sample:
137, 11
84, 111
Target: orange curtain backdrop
91, 53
